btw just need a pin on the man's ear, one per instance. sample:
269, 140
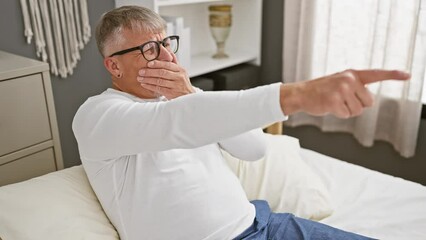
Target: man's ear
113, 66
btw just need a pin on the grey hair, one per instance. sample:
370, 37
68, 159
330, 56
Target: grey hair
111, 25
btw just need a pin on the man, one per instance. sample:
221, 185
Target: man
151, 145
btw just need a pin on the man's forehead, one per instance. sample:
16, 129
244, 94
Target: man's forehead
139, 36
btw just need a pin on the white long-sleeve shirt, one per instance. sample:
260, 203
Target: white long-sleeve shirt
156, 165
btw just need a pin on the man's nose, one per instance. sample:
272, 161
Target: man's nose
165, 55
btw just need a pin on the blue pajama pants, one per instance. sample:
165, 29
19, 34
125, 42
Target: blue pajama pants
277, 226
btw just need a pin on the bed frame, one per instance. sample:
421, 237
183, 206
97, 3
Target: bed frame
276, 128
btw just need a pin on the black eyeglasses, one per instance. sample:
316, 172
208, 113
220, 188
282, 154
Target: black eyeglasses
151, 50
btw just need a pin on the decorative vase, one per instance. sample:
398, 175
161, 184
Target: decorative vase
220, 20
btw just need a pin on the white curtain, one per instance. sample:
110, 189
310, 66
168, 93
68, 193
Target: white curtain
325, 36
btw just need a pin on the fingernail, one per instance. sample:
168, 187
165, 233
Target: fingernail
151, 64
140, 79
142, 72
403, 74
406, 75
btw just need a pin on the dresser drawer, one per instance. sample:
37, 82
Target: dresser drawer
24, 119
30, 166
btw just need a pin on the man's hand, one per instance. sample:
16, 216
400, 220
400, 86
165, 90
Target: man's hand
342, 94
165, 78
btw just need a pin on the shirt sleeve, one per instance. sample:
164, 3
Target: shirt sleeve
109, 126
249, 146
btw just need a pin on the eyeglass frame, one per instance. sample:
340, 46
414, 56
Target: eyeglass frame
140, 47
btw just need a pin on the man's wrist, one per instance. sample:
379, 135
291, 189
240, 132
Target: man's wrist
290, 100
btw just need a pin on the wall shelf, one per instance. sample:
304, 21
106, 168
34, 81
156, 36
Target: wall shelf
203, 63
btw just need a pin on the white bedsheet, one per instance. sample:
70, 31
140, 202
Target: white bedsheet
369, 202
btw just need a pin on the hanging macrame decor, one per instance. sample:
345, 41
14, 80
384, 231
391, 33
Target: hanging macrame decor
60, 29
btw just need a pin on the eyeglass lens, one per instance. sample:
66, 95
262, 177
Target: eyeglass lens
151, 50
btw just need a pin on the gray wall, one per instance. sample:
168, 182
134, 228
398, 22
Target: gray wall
381, 157
88, 79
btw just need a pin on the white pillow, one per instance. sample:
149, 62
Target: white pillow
284, 180
59, 205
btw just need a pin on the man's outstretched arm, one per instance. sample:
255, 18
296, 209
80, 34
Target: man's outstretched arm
342, 94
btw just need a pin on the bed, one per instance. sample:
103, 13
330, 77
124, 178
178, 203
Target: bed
370, 202
62, 205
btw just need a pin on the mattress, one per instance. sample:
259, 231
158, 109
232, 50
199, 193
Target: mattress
369, 202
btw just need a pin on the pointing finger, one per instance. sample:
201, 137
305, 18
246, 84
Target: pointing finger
370, 76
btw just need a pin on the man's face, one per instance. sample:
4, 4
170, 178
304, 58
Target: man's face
131, 62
